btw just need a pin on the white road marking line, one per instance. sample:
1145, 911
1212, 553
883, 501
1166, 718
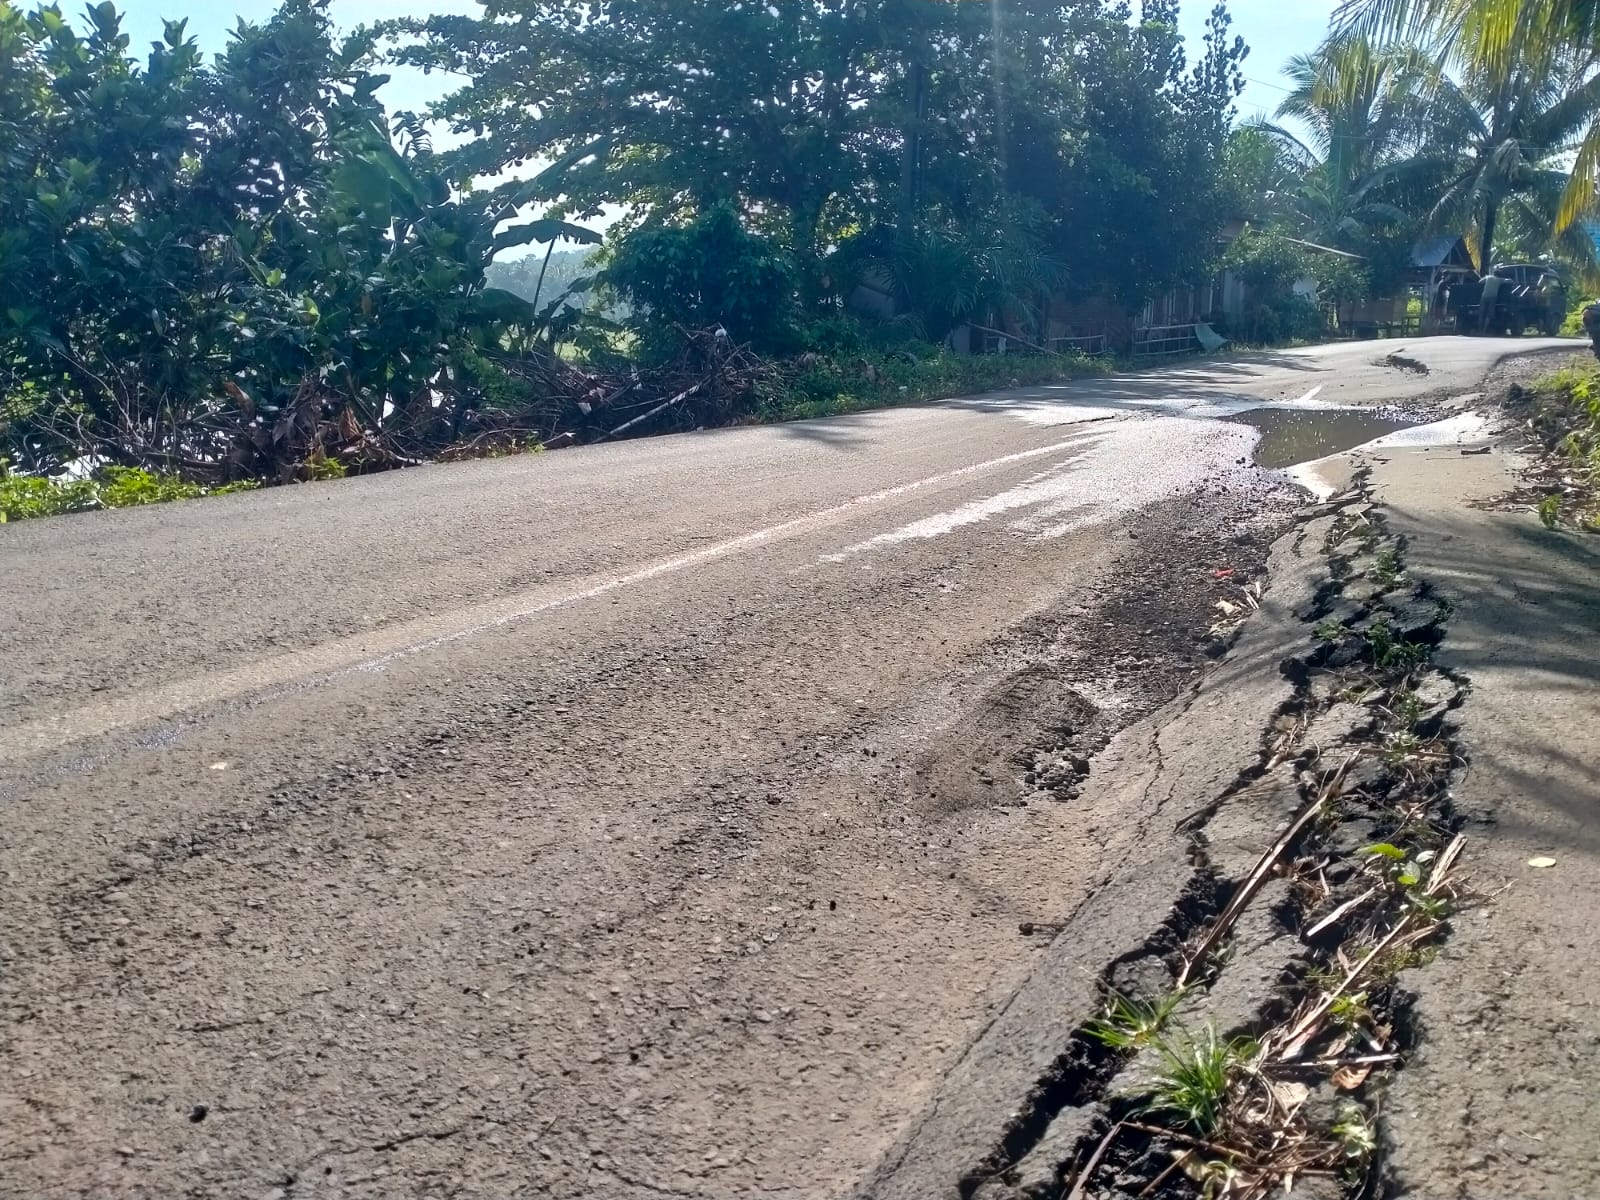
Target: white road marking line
344, 656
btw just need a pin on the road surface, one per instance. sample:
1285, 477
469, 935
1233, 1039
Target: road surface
654, 819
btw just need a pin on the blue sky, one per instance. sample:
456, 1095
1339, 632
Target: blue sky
1275, 29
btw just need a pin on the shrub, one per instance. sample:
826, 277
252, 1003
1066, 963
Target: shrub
26, 496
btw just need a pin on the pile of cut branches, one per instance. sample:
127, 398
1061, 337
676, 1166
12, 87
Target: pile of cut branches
710, 381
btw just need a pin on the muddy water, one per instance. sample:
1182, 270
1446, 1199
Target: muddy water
1291, 436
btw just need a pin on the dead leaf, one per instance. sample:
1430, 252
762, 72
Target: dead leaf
1541, 862
1289, 1094
1349, 1078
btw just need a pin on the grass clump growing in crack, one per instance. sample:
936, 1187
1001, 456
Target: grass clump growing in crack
1386, 571
1391, 652
1328, 630
1130, 1022
1196, 1079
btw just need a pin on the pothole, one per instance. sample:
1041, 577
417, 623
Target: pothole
1291, 436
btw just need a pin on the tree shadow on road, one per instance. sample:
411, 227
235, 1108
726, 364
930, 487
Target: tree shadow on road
1527, 633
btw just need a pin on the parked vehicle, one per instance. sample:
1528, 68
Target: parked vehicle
1591, 325
1538, 298
1511, 299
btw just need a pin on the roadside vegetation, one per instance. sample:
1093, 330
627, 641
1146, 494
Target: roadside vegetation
1562, 413
1218, 1090
24, 496
246, 268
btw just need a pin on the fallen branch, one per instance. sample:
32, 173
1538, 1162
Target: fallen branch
1303, 1029
1260, 873
662, 407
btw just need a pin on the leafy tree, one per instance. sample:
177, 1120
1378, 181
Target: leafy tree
670, 106
706, 272
987, 133
226, 269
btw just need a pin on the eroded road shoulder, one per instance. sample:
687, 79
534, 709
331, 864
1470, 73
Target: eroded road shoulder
1248, 1037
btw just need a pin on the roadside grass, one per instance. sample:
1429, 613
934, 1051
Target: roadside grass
23, 497
1196, 1080
1562, 411
1130, 1022
834, 386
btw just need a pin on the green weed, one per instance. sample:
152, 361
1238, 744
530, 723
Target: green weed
1357, 1136
1350, 1011
1129, 1023
1195, 1079
23, 497
1550, 511
1386, 570
1400, 746
320, 467
1407, 709
1389, 651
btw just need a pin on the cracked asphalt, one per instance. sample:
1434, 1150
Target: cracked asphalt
649, 819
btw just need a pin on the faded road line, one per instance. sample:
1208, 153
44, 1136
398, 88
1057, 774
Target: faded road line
373, 651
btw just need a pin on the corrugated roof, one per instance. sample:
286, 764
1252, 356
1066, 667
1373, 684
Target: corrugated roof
1441, 250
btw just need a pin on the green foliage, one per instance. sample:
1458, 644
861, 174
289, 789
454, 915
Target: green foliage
1386, 570
1358, 1137
1566, 414
26, 496
1393, 652
1409, 876
858, 127
703, 273
1329, 629
1129, 1023
228, 266
1194, 1080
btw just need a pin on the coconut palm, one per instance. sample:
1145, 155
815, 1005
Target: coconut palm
1373, 114
1358, 109
1497, 140
1502, 42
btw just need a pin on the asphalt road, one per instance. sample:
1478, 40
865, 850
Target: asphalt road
625, 821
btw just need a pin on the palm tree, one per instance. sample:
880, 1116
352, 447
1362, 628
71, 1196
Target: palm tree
1361, 109
1499, 42
1359, 103
1499, 139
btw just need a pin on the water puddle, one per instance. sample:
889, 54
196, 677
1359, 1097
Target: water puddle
1291, 436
